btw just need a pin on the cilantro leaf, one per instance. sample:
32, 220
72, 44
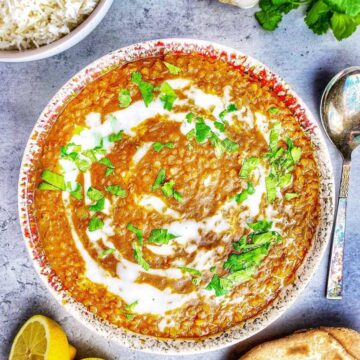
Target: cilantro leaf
248, 166
139, 257
239, 198
269, 20
167, 96
342, 25
107, 162
98, 206
290, 196
168, 188
191, 271
131, 307
77, 192
146, 88
160, 236
230, 146
273, 110
82, 165
54, 179
270, 183
348, 7
238, 262
202, 131
106, 253
158, 146
137, 232
318, 17
174, 70
219, 125
116, 190
284, 180
260, 226
116, 137
46, 186
124, 98
95, 224
159, 180
217, 284
189, 117
94, 194
230, 108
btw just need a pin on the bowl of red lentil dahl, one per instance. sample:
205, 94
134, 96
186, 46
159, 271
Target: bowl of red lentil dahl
176, 196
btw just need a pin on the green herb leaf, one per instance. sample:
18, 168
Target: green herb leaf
168, 188
296, 154
202, 131
248, 166
273, 110
270, 183
318, 17
46, 186
98, 206
239, 198
213, 268
106, 253
260, 226
158, 146
94, 194
146, 89
82, 165
53, 179
349, 7
230, 146
269, 20
95, 224
167, 96
220, 126
174, 70
107, 162
159, 180
191, 271
196, 281
77, 192
137, 232
229, 109
290, 196
189, 117
177, 196
217, 284
124, 98
116, 190
131, 307
190, 134
160, 236
109, 171
116, 137
138, 256
238, 262
285, 180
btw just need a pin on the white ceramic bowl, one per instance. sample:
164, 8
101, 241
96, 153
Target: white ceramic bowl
64, 43
27, 211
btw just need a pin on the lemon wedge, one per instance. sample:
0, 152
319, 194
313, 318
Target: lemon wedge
72, 352
40, 338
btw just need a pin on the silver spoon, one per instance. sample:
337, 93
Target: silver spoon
340, 115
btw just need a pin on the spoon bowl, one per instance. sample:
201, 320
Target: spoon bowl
340, 116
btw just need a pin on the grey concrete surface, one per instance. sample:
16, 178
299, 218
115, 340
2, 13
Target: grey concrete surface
303, 59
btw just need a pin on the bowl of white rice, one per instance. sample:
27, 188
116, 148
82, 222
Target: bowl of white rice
37, 29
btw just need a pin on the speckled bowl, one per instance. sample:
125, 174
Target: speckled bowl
27, 184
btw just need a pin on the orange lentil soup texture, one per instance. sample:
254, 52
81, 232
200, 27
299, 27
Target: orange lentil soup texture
187, 163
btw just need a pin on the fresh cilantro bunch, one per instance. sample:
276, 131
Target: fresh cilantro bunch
341, 16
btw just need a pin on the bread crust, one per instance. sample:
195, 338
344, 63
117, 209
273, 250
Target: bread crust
313, 344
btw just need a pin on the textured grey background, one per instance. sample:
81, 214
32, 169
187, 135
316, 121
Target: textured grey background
303, 59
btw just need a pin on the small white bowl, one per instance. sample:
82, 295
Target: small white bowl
64, 43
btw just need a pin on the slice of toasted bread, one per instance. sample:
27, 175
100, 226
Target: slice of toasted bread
315, 344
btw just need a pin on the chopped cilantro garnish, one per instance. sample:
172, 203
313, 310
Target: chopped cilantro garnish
270, 183
95, 224
273, 110
274, 139
116, 137
54, 179
137, 232
202, 131
284, 180
213, 268
146, 88
296, 154
174, 70
260, 226
98, 206
109, 171
159, 180
129, 316
220, 126
190, 134
131, 307
248, 166
177, 196
116, 190
124, 98
196, 281
230, 146
82, 165
158, 146
70, 151
168, 188
46, 186
107, 162
160, 236
191, 271
138, 255
94, 194
229, 109
290, 196
106, 253
239, 198
167, 96
218, 285
189, 117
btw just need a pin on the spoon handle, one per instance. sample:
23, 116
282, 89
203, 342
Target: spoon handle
335, 276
